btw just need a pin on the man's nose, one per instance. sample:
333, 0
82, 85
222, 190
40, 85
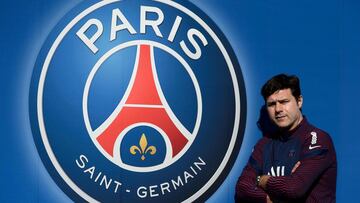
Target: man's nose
278, 107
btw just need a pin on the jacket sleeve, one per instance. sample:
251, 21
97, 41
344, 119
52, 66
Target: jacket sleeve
317, 155
246, 188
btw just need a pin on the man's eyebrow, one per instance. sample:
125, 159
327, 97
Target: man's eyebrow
271, 102
278, 100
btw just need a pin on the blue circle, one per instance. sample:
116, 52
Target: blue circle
60, 119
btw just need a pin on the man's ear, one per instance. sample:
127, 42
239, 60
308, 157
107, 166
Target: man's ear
300, 101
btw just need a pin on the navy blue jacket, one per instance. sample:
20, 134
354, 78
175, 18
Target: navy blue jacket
313, 181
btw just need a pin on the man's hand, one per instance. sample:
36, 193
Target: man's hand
268, 200
263, 180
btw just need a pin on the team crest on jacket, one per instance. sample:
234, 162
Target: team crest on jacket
137, 101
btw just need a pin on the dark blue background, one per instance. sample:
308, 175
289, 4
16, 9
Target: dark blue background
317, 40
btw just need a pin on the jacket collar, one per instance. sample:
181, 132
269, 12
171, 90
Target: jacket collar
298, 130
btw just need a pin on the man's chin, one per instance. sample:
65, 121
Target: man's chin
283, 126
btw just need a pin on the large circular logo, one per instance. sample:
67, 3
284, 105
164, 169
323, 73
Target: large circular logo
135, 101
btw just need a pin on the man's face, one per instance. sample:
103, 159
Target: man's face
284, 109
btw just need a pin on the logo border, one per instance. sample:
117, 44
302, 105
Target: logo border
240, 105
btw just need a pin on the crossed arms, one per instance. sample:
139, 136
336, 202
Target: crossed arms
304, 174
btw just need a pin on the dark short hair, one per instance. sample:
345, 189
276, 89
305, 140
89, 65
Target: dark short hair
280, 82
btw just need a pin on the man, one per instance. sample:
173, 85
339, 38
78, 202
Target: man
294, 163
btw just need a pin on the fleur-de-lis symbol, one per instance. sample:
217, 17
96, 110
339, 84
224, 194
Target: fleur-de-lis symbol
144, 148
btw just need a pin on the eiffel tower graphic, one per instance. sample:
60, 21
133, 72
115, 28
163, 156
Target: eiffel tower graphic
143, 104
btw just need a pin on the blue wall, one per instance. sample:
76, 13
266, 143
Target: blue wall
317, 40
